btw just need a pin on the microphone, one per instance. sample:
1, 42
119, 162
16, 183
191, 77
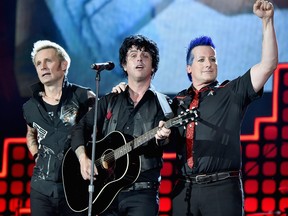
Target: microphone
103, 66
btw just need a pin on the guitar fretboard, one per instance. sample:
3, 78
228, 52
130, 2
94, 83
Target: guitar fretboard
190, 115
177, 121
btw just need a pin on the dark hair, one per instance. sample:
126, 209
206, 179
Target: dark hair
140, 42
199, 41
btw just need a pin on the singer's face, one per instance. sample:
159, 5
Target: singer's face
203, 69
138, 64
49, 68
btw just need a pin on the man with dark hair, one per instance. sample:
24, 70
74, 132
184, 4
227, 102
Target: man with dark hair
133, 112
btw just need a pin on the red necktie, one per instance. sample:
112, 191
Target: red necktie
191, 127
190, 131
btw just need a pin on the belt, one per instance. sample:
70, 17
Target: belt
214, 177
142, 185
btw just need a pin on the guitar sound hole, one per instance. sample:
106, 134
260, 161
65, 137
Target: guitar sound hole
108, 159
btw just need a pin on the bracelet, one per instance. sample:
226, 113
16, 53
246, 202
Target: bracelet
35, 156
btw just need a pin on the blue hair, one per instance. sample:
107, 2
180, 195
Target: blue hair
199, 41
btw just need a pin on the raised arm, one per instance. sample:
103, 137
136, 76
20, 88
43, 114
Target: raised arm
261, 72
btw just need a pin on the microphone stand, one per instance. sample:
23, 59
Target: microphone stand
91, 186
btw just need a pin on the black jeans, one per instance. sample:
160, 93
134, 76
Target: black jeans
42, 205
134, 203
221, 198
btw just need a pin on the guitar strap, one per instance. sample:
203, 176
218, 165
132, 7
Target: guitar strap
113, 107
163, 101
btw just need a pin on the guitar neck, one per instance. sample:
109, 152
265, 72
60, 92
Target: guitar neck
123, 150
184, 118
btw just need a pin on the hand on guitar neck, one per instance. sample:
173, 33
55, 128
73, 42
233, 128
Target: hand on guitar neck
85, 162
162, 132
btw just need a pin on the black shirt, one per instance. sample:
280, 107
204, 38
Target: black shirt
53, 133
217, 133
132, 121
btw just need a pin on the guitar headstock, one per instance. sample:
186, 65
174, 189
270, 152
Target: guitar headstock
185, 117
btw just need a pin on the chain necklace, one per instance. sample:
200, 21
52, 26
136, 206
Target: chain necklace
43, 94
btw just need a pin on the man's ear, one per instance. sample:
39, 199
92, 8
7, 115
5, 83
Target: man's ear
64, 65
124, 67
189, 69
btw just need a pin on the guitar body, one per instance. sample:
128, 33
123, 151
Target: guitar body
113, 175
116, 167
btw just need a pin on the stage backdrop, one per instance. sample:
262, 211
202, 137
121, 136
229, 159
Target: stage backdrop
92, 31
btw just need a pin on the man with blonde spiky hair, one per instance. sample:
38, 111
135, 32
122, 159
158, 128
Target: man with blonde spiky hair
55, 106
46, 44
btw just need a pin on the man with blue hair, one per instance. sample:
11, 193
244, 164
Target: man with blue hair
208, 152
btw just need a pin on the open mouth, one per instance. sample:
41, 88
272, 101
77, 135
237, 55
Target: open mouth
46, 74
